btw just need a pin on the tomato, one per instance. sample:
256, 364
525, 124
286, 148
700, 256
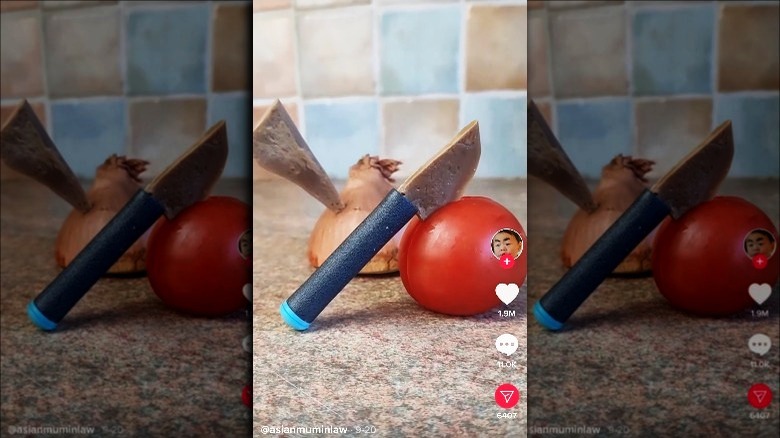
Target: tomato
200, 261
700, 263
447, 262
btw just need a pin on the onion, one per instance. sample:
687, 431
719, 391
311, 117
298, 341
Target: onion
368, 183
116, 181
622, 181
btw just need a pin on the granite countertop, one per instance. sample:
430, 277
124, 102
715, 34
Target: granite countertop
374, 357
120, 362
630, 363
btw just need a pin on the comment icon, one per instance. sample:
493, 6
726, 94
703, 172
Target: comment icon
506, 344
760, 344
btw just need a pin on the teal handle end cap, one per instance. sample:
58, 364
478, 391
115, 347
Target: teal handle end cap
39, 319
545, 319
292, 319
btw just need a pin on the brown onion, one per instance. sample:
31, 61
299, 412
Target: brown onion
116, 181
368, 183
622, 181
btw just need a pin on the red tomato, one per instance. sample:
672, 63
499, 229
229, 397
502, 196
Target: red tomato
200, 261
700, 263
447, 263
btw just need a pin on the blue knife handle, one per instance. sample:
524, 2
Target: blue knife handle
303, 306
137, 216
560, 302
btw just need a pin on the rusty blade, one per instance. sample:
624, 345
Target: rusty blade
696, 178
444, 177
26, 147
548, 161
190, 178
278, 146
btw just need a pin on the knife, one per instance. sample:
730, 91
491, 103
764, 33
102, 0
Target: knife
441, 180
279, 147
26, 147
695, 179
548, 161
188, 180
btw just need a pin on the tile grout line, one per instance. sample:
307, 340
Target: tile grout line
664, 97
137, 98
47, 110
714, 60
628, 17
376, 59
550, 78
123, 66
159, 6
499, 94
462, 54
297, 71
669, 6
494, 94
209, 62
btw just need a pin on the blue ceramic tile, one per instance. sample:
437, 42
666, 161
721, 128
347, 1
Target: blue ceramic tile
502, 123
166, 50
340, 133
234, 109
592, 133
756, 134
87, 133
419, 51
673, 51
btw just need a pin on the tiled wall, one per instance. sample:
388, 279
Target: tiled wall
654, 78
140, 78
398, 78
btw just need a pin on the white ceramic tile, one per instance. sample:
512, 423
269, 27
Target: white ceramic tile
336, 52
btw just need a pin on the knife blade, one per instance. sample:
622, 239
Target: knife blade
441, 180
548, 161
695, 179
279, 147
187, 180
27, 148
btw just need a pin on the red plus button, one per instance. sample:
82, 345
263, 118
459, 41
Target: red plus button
246, 395
506, 261
760, 261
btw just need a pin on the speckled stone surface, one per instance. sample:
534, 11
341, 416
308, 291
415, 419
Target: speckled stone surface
374, 357
120, 362
631, 364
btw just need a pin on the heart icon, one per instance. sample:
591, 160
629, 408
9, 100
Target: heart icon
507, 292
760, 292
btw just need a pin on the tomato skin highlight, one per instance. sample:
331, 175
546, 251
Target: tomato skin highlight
447, 264
194, 261
699, 260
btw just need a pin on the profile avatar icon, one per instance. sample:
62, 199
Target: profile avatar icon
245, 244
507, 241
760, 241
